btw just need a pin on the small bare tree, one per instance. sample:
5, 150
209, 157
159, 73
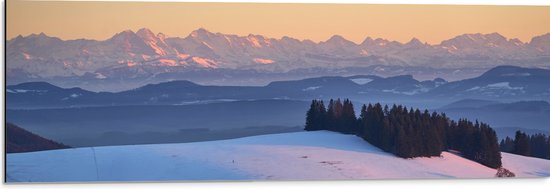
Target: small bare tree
502, 172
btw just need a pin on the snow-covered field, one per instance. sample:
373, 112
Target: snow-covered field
290, 156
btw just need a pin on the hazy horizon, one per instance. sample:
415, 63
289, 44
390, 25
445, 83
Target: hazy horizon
270, 37
316, 22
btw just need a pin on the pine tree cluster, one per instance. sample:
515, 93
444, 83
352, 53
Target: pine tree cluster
537, 145
407, 133
339, 117
476, 141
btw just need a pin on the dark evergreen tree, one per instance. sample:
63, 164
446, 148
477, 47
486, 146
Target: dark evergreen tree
334, 117
538, 145
489, 153
315, 116
507, 145
362, 132
348, 119
521, 144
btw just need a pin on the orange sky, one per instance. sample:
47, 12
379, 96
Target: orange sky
430, 23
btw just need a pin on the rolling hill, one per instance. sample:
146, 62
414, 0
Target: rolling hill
318, 155
20, 140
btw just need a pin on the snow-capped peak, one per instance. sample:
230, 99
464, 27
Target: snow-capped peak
145, 33
541, 43
414, 42
123, 35
339, 40
200, 33
161, 36
40, 35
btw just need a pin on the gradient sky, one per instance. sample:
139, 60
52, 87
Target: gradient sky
429, 23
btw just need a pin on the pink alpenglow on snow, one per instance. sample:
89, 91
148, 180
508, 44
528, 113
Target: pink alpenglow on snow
168, 62
314, 155
263, 61
205, 62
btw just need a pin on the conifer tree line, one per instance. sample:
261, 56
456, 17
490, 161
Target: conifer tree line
537, 145
407, 133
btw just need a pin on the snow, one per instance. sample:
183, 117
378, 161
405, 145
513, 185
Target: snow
379, 69
85, 52
311, 88
471, 38
230, 54
526, 166
131, 64
194, 34
205, 62
228, 40
492, 45
413, 92
54, 165
263, 61
518, 43
364, 52
100, 76
156, 48
161, 37
151, 40
495, 86
183, 56
361, 81
254, 41
168, 62
290, 156
207, 45
474, 88
25, 91
504, 86
517, 74
66, 63
450, 49
205, 101
74, 95
145, 57
27, 56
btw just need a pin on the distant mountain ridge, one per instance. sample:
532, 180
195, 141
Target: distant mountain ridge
503, 83
523, 114
144, 54
492, 106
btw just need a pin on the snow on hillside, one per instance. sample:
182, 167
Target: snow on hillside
290, 156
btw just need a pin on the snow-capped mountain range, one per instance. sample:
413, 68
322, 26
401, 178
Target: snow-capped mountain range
143, 53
